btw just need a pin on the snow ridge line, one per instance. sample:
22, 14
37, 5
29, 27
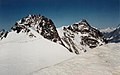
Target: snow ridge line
24, 41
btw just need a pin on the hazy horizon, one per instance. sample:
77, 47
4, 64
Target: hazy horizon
99, 13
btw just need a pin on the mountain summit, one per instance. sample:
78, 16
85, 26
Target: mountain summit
77, 37
80, 36
40, 24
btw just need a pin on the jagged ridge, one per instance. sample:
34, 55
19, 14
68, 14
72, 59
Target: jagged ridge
40, 24
80, 35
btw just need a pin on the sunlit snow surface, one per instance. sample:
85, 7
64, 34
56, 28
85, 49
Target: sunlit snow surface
103, 60
22, 55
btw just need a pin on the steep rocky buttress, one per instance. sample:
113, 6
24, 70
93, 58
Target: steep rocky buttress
40, 24
80, 36
3, 34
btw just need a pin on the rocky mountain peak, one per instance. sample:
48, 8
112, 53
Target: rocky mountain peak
80, 35
82, 26
40, 24
3, 34
83, 21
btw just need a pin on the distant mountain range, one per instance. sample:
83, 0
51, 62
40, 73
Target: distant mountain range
112, 34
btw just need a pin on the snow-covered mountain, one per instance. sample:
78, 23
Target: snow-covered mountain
22, 55
80, 36
112, 34
26, 47
107, 30
76, 38
40, 24
34, 43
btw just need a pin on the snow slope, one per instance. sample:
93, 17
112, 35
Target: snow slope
22, 55
103, 60
32, 47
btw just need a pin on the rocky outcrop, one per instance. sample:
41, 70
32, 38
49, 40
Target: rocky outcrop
40, 24
3, 34
80, 36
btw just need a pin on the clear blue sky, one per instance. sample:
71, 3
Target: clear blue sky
99, 13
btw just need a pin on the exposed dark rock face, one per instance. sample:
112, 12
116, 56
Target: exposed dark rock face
40, 24
80, 35
3, 34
